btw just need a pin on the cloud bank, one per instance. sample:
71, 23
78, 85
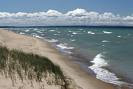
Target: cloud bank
56, 18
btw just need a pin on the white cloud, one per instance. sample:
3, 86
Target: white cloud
53, 13
75, 17
78, 12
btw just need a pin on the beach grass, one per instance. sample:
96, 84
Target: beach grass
27, 65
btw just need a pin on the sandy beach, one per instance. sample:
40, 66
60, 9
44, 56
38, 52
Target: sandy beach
29, 44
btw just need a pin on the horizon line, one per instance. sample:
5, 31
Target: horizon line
107, 26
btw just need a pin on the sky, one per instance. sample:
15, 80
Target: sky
66, 12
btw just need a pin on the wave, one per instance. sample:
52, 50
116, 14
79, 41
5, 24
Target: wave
64, 46
39, 32
105, 41
27, 30
35, 35
51, 30
106, 32
90, 32
101, 73
55, 34
74, 33
119, 36
73, 40
69, 31
38, 36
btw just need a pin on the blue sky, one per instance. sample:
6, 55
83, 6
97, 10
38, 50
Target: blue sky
122, 7
66, 12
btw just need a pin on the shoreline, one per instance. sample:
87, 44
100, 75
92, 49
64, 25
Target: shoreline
76, 57
45, 49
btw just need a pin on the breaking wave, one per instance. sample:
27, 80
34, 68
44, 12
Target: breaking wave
98, 63
106, 32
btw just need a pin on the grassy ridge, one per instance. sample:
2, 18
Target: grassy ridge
27, 65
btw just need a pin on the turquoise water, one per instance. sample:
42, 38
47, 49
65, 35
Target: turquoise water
110, 50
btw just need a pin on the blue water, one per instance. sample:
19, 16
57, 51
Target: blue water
110, 50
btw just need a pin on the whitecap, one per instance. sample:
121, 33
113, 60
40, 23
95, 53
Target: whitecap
35, 35
69, 31
99, 61
51, 30
90, 32
105, 41
74, 33
39, 32
101, 73
106, 32
38, 36
64, 46
56, 34
119, 36
27, 30
21, 33
73, 40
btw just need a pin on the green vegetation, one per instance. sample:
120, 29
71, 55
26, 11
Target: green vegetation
27, 66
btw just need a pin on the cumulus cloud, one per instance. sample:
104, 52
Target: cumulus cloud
75, 17
77, 12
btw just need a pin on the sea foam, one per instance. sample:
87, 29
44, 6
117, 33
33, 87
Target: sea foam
119, 36
101, 73
90, 32
27, 30
38, 36
64, 46
51, 30
21, 33
106, 32
105, 41
74, 33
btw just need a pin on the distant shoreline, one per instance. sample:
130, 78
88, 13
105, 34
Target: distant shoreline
84, 26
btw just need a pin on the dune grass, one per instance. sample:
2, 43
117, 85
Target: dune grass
27, 65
